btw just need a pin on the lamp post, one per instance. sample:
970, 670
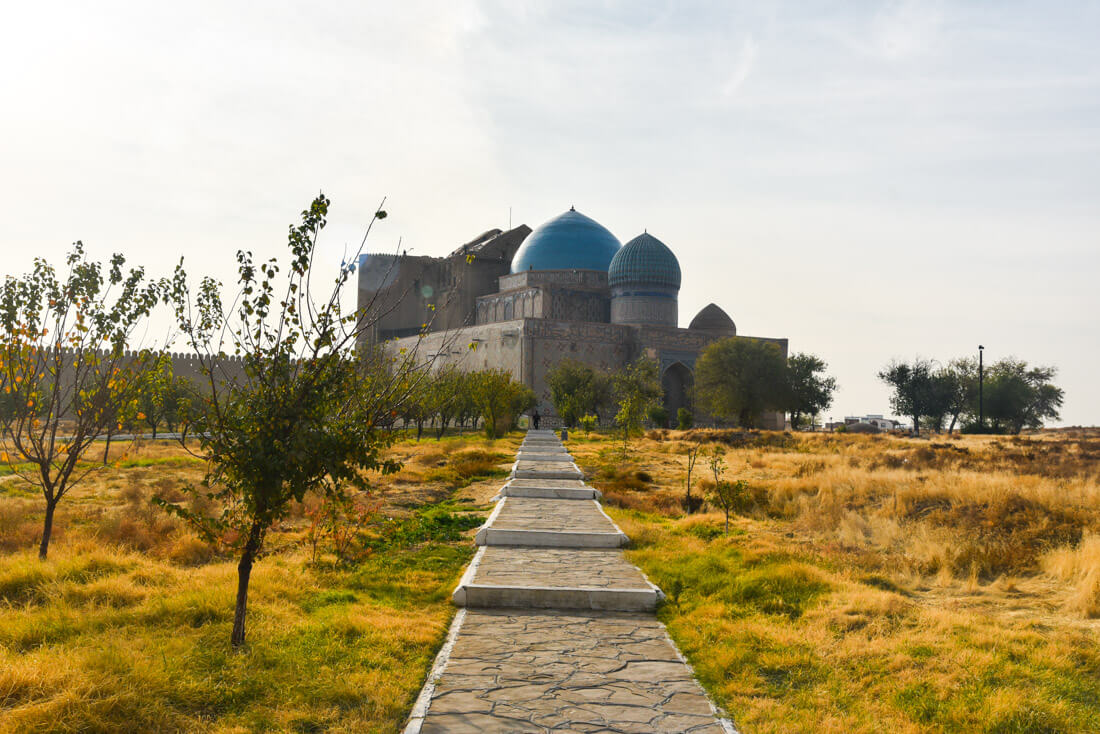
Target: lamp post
981, 380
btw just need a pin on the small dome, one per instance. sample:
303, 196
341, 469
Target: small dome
570, 241
645, 260
712, 318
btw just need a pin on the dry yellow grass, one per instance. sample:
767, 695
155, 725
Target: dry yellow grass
878, 583
126, 626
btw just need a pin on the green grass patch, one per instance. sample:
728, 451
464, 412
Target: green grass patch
788, 642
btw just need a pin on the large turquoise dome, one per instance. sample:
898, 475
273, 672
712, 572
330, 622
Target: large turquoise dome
570, 241
645, 260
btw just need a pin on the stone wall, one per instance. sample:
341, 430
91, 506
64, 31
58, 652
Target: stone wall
644, 308
573, 279
471, 348
404, 292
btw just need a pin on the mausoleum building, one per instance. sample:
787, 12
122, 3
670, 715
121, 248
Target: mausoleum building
525, 299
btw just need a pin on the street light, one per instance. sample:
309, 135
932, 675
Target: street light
981, 380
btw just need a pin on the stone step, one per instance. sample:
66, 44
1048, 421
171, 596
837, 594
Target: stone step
550, 523
555, 578
544, 447
558, 493
546, 470
536, 455
564, 489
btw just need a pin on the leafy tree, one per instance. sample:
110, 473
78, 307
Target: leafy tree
64, 368
588, 423
576, 390
501, 400
467, 409
1018, 396
302, 415
810, 390
637, 389
919, 390
445, 394
740, 378
960, 382
658, 416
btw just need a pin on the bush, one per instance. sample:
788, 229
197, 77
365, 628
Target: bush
684, 419
588, 423
658, 416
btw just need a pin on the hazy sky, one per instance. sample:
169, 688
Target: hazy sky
871, 180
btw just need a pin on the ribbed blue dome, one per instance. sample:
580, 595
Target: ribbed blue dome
645, 260
570, 241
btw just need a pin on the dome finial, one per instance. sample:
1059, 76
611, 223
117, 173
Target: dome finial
572, 208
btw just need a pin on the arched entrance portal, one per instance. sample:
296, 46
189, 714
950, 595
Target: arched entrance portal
677, 383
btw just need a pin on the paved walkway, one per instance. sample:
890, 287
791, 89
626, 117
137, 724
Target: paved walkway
556, 631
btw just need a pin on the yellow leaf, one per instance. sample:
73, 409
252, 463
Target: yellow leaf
4, 456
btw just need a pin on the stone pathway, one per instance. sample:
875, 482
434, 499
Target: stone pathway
556, 631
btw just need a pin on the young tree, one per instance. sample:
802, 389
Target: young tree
740, 378
445, 396
692, 453
637, 389
64, 364
302, 414
810, 390
155, 399
730, 496
180, 395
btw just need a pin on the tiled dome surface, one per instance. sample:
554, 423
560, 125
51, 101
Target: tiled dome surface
645, 260
570, 241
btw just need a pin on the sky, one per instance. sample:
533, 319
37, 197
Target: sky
871, 180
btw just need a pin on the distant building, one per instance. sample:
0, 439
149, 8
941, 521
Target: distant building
875, 420
526, 299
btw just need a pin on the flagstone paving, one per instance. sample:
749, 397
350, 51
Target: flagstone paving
536, 513
558, 567
540, 671
562, 664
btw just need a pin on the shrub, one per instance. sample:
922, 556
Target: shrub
684, 419
658, 416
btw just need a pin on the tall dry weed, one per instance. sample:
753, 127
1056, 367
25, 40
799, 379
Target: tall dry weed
1079, 566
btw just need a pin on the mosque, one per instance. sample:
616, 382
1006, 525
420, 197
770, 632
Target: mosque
524, 299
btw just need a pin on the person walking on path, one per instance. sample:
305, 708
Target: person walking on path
535, 417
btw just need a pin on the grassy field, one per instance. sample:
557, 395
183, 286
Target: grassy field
868, 583
877, 583
126, 626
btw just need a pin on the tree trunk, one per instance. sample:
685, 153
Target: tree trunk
47, 530
916, 426
107, 448
951, 428
244, 572
727, 522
